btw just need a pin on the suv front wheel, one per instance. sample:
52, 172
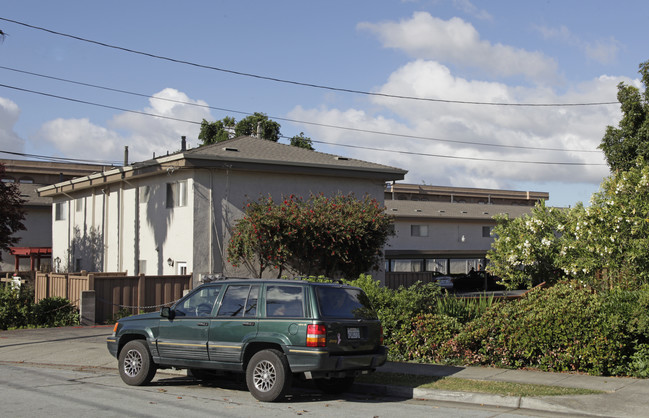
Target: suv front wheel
268, 375
136, 367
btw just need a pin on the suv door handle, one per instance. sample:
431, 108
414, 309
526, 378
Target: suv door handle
248, 324
202, 324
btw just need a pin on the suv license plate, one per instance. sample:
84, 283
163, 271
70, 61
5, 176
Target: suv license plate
353, 333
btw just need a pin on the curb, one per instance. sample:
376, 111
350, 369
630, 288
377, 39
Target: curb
473, 398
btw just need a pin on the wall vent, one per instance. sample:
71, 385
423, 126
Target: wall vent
230, 149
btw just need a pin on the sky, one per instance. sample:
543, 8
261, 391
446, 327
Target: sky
510, 95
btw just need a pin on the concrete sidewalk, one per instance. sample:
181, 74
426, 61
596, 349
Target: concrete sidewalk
85, 347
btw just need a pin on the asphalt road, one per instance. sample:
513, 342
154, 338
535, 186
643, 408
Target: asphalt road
28, 390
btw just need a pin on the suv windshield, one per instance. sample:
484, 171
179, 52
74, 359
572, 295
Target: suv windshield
340, 302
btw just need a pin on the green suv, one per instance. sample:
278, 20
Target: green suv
271, 330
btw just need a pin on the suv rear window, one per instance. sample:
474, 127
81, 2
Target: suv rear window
284, 301
340, 302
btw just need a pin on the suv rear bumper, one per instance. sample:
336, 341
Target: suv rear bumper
303, 359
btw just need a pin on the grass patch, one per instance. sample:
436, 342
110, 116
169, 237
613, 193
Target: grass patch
469, 385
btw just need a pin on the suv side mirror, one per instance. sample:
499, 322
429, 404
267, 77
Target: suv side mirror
166, 312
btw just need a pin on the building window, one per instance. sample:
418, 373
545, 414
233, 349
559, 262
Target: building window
177, 194
486, 231
27, 180
78, 205
418, 230
406, 265
60, 212
438, 265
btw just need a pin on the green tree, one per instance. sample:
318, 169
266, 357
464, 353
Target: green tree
612, 235
12, 213
330, 236
630, 140
248, 126
217, 131
302, 141
527, 250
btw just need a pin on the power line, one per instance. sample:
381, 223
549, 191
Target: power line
60, 159
299, 121
303, 84
323, 142
121, 109
456, 157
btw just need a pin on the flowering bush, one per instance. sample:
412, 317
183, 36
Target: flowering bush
613, 233
331, 236
528, 250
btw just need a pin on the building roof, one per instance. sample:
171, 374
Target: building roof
464, 192
241, 153
246, 148
28, 191
412, 209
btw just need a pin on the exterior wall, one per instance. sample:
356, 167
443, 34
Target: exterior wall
38, 221
456, 246
443, 235
220, 196
136, 232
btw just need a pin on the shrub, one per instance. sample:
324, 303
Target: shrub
54, 312
463, 309
15, 306
421, 339
564, 328
396, 308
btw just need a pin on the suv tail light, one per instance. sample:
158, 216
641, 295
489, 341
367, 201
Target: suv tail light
316, 336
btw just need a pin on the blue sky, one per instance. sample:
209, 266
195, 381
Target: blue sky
511, 52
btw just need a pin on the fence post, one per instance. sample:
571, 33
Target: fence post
141, 293
87, 303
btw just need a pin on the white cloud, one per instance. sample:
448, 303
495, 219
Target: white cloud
9, 140
144, 135
459, 163
471, 9
457, 42
604, 51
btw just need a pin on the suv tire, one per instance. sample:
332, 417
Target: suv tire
136, 368
268, 375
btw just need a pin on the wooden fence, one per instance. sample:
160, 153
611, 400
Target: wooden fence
114, 292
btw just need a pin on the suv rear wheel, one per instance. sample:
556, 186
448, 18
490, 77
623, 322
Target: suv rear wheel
136, 368
268, 375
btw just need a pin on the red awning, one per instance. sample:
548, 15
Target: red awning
29, 251
33, 253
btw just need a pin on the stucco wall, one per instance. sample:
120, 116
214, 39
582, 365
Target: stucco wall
230, 190
443, 235
136, 228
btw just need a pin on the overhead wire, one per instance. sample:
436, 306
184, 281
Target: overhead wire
298, 83
61, 159
484, 144
323, 142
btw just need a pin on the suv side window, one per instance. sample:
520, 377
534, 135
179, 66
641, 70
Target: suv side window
284, 301
240, 300
199, 303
